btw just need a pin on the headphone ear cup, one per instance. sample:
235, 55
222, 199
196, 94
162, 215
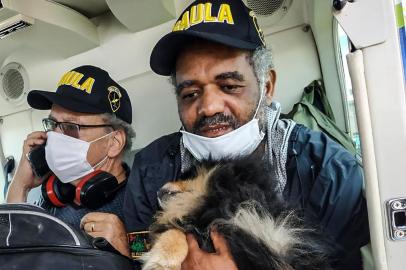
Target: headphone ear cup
56, 192
96, 189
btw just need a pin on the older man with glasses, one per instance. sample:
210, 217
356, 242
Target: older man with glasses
86, 134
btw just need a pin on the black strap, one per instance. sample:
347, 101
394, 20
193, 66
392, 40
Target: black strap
122, 184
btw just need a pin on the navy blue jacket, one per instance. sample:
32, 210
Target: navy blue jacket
72, 214
323, 179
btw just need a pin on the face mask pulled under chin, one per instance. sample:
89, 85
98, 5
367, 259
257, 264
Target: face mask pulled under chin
67, 156
239, 142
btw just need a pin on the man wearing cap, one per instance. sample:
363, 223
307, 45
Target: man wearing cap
224, 84
86, 134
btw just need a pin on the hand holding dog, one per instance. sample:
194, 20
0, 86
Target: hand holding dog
198, 259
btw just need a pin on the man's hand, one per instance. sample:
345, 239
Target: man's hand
24, 179
198, 259
108, 226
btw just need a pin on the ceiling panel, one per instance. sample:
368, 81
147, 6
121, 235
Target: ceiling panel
89, 8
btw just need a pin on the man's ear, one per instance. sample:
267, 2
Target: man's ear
270, 86
117, 143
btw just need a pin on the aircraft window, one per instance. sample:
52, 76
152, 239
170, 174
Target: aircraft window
343, 46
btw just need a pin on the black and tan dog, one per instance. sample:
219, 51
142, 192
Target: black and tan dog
237, 199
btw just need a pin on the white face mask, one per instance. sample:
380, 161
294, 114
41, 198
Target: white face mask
67, 156
239, 142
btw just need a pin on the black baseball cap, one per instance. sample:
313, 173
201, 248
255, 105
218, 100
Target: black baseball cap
228, 22
85, 89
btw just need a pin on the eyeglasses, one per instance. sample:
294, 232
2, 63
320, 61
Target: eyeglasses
67, 128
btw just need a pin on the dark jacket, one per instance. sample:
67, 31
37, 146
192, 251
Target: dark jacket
322, 178
73, 214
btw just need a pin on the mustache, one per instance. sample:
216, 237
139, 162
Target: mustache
218, 118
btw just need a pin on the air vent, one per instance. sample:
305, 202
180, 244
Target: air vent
14, 24
265, 7
269, 12
14, 83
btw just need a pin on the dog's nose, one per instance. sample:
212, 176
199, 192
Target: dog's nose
165, 194
162, 193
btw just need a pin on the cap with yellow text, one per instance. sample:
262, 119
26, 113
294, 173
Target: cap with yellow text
85, 89
228, 22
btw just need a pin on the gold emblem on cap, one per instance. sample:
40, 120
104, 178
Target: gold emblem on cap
114, 98
259, 30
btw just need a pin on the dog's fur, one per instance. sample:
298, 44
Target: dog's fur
238, 200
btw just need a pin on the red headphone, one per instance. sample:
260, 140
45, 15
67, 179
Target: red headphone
93, 190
